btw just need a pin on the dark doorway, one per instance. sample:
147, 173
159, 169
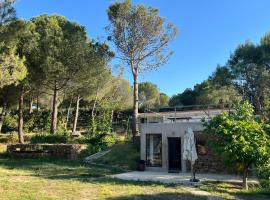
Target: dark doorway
174, 150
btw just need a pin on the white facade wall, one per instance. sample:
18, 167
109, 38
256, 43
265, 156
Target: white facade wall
176, 129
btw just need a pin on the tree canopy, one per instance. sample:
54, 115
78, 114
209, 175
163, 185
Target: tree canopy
7, 11
141, 37
240, 138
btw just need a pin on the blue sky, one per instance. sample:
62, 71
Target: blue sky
209, 31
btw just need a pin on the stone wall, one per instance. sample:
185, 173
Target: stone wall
70, 151
207, 161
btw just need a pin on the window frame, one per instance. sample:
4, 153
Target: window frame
146, 152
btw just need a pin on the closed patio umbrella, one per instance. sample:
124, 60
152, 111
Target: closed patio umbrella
189, 151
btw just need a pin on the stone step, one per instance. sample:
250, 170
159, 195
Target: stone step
95, 156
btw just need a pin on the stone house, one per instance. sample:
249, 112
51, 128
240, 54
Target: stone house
161, 140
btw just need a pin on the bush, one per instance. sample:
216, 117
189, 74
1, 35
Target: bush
38, 120
265, 183
9, 138
10, 122
264, 176
13, 137
264, 172
101, 142
49, 139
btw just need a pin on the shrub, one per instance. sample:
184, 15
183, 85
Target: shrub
101, 142
265, 183
38, 120
264, 176
49, 139
9, 138
12, 137
264, 172
10, 122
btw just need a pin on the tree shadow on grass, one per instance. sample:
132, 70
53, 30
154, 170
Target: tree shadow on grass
63, 169
255, 192
159, 196
55, 168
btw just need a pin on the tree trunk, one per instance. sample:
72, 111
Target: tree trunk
135, 127
31, 105
112, 115
38, 102
3, 114
94, 104
245, 175
20, 120
76, 115
54, 113
68, 113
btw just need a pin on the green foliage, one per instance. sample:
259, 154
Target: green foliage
7, 11
188, 97
100, 134
205, 93
263, 172
239, 137
102, 122
36, 121
129, 23
42, 120
124, 155
163, 100
12, 137
148, 95
49, 139
117, 91
12, 68
10, 122
142, 38
101, 141
247, 71
9, 138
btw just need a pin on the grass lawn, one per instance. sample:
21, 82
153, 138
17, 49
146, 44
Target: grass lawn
123, 155
64, 179
234, 191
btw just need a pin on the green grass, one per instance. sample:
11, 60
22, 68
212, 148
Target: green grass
50, 179
234, 191
123, 155
63, 179
47, 179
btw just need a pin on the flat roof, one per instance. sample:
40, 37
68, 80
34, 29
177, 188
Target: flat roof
185, 114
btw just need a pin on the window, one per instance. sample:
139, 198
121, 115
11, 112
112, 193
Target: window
153, 150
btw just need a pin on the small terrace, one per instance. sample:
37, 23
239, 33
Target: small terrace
193, 113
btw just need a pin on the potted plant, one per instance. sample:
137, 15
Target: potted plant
141, 165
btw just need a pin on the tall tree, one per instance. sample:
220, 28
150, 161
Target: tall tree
163, 100
8, 101
187, 98
17, 35
148, 95
142, 38
247, 72
59, 42
93, 62
208, 92
12, 68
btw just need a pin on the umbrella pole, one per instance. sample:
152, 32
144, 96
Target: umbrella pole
191, 169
